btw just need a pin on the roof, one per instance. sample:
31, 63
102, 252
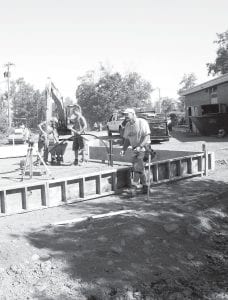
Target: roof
207, 84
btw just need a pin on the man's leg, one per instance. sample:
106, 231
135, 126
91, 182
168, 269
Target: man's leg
139, 170
82, 147
40, 150
136, 174
76, 157
46, 144
75, 149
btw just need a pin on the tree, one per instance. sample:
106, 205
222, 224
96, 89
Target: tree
111, 91
27, 102
167, 105
187, 82
220, 66
3, 112
67, 101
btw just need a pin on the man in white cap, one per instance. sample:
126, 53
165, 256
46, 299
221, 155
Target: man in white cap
137, 135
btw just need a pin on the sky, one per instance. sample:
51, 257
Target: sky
63, 39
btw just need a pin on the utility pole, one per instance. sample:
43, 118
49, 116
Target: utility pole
7, 75
159, 99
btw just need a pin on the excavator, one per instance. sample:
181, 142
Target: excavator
55, 108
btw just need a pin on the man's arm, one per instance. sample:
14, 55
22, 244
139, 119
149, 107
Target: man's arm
83, 124
41, 128
125, 146
144, 141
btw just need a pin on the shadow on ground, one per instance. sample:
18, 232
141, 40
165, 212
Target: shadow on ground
174, 246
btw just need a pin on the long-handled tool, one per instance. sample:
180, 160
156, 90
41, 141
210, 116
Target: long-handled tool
148, 177
151, 155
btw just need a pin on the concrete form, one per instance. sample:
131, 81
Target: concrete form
73, 184
167, 165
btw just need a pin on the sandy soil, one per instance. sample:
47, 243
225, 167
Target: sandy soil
174, 246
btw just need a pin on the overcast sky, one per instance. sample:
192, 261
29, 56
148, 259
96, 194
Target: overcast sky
62, 39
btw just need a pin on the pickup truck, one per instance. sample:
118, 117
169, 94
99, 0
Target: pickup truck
116, 123
158, 125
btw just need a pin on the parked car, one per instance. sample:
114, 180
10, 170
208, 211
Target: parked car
19, 136
116, 123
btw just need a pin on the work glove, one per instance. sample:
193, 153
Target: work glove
138, 149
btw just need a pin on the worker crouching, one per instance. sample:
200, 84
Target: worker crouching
137, 135
48, 137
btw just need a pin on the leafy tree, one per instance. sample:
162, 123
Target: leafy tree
68, 101
167, 105
220, 66
98, 98
3, 120
3, 112
187, 82
27, 102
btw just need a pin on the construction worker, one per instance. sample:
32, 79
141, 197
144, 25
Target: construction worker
48, 136
137, 135
79, 126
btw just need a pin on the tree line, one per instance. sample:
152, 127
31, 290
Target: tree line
100, 95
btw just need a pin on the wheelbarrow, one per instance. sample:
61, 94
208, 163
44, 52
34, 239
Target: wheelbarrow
57, 152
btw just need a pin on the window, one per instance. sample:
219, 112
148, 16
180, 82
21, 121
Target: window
196, 110
212, 90
214, 100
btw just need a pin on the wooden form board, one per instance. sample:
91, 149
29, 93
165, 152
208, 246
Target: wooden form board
25, 197
181, 164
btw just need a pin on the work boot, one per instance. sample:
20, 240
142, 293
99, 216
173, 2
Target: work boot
145, 189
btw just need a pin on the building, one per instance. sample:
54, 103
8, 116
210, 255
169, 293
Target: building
207, 106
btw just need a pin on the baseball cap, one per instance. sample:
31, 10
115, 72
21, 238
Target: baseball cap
54, 119
129, 111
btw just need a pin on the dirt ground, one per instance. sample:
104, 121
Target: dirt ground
172, 247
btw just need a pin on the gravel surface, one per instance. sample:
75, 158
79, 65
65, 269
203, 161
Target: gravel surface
174, 246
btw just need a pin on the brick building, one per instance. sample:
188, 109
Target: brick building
207, 105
